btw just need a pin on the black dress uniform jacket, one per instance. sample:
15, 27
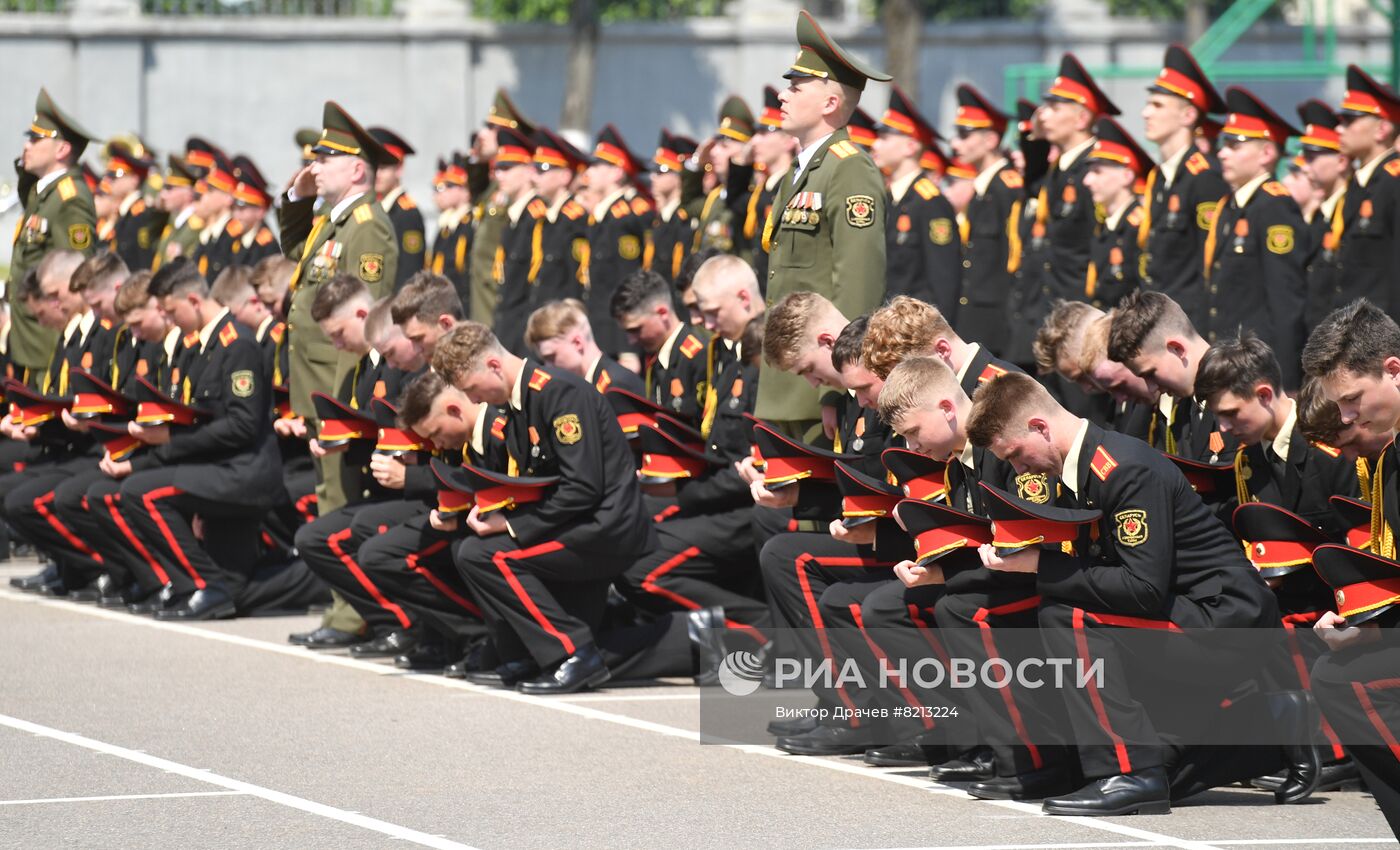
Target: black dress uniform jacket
670, 242
752, 193
922, 249
681, 383
514, 258
1255, 274
1178, 222
560, 262
223, 379
237, 245
607, 372
372, 378
616, 244
452, 249
1369, 250
91, 350
1310, 474
1113, 260
407, 220
137, 231
1068, 212
727, 436
565, 427
990, 256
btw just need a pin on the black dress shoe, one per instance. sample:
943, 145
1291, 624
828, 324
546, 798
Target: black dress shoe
789, 728
907, 754
85, 595
1034, 785
705, 628
430, 657
1143, 792
976, 765
32, 583
830, 741
209, 603
328, 638
394, 643
1297, 720
582, 670
57, 590
1335, 775
507, 675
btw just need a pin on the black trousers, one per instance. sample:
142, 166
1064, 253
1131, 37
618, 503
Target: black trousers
124, 555
30, 509
1359, 691
544, 601
411, 564
329, 545
162, 515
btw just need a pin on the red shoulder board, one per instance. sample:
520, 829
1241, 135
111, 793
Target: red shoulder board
1135, 217
604, 381
573, 210
1330, 451
1103, 463
539, 379
1393, 168
925, 188
264, 237
277, 331
619, 209
105, 323
641, 206
406, 203
498, 428
228, 335
190, 339
682, 214
234, 228
1012, 178
137, 208
989, 373
691, 347
1196, 163
1275, 188
538, 208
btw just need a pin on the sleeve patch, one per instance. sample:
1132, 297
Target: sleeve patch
241, 382
1205, 213
363, 214
1279, 239
413, 242
538, 379
860, 210
1033, 487
567, 429
80, 237
1130, 527
940, 231
1103, 464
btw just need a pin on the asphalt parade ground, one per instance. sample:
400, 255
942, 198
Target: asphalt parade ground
120, 732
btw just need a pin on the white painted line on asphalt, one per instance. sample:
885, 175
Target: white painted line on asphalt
110, 797
1095, 846
890, 775
392, 830
1280, 842
611, 697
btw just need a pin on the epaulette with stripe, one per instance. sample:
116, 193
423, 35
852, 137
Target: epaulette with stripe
573, 210
277, 331
195, 223
538, 379
1275, 188
363, 214
264, 237
619, 209
190, 339
844, 149
1330, 451
234, 228
691, 347
228, 335
138, 207
1135, 217
603, 382
925, 188
498, 427
1196, 163
406, 203
641, 206
1012, 178
105, 323
990, 372
1103, 463
537, 208
67, 189
1393, 168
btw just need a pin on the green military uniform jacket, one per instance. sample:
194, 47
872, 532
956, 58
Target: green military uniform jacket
58, 217
359, 241
825, 234
177, 240
489, 221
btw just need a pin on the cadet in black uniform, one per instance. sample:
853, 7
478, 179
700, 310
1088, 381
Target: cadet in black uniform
1254, 264
678, 371
991, 250
621, 221
560, 335
541, 572
1154, 559
515, 173
403, 212
138, 224
1368, 248
1116, 164
1329, 170
451, 253
922, 247
559, 262
1183, 190
674, 232
245, 239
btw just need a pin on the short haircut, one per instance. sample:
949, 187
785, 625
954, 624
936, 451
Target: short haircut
460, 351
335, 293
378, 322
1357, 337
99, 272
178, 277
847, 350
639, 291
751, 341
912, 384
555, 319
1003, 403
905, 327
1318, 417
1142, 316
727, 266
62, 263
1093, 345
417, 399
234, 285
1064, 322
134, 293
1236, 365
275, 271
692, 264
786, 327
28, 289
425, 297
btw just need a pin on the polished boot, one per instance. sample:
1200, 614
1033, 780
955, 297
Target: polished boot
1298, 721
1142, 792
789, 728
583, 670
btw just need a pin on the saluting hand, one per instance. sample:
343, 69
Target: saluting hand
304, 184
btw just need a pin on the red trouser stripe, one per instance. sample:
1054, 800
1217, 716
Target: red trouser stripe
651, 584
880, 656
1081, 642
1374, 716
149, 500
1133, 622
805, 585
930, 637
41, 505
304, 505
412, 563
666, 513
111, 501
501, 560
1300, 666
1008, 695
334, 541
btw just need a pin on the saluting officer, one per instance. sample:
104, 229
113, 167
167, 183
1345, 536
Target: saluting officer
826, 233
707, 192
402, 210
58, 215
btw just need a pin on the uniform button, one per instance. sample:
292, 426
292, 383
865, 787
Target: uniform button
1212, 311
967, 264
963, 301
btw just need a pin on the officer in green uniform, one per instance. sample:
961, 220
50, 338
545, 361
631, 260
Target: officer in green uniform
489, 214
180, 237
826, 232
58, 215
718, 210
